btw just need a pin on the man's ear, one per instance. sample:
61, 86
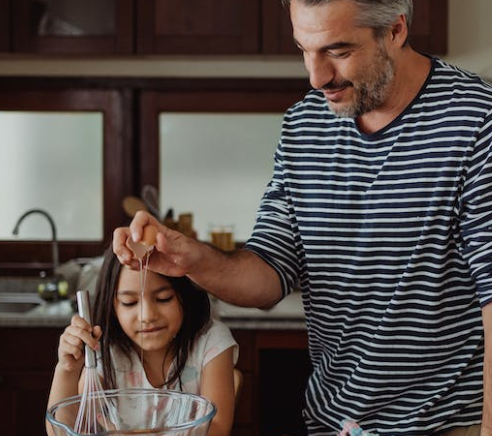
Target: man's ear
399, 31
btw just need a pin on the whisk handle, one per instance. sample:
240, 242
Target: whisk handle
84, 309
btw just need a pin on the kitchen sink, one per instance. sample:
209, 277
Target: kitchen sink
16, 307
18, 302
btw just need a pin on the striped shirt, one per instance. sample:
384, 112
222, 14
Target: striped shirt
389, 237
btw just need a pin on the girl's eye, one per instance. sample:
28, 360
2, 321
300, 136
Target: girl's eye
128, 303
164, 300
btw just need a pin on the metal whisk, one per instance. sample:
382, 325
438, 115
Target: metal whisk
96, 412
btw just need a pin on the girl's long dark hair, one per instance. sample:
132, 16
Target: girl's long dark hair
196, 317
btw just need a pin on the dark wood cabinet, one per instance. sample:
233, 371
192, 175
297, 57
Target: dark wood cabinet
198, 27
194, 27
271, 98
429, 30
277, 29
130, 112
254, 27
72, 27
28, 357
4, 25
275, 366
244, 418
38, 96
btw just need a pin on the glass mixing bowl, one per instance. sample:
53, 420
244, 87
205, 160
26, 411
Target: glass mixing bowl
152, 412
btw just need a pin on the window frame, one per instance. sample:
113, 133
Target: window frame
22, 257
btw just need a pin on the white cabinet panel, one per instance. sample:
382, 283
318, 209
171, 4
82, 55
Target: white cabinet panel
52, 161
216, 165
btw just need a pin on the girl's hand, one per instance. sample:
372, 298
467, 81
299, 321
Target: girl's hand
73, 341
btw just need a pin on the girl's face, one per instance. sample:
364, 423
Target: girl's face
151, 321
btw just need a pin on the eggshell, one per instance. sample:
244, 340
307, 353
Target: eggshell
149, 235
146, 245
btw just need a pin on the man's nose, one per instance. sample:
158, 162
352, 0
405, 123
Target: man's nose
320, 69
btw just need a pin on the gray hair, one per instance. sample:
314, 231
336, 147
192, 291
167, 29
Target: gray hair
376, 14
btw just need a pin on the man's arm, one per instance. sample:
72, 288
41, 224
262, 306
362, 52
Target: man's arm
240, 277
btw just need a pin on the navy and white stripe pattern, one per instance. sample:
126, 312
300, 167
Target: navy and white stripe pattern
389, 236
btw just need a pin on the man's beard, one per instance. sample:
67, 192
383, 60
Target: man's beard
370, 92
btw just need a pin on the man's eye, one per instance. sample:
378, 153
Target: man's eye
339, 55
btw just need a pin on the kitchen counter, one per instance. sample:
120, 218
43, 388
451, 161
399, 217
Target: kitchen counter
45, 315
286, 315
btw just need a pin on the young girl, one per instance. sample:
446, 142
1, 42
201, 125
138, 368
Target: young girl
182, 348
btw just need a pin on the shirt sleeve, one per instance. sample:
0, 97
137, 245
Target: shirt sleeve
215, 341
276, 238
475, 213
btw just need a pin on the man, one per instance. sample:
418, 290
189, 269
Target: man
380, 208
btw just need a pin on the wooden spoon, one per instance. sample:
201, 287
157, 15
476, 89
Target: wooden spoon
132, 205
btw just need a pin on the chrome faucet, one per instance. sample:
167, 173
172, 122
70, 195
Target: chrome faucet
54, 242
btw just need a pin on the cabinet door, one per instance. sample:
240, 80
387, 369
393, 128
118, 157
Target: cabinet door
28, 358
244, 419
72, 26
4, 26
282, 371
23, 399
277, 29
428, 33
113, 145
198, 26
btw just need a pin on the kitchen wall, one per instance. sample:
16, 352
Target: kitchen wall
470, 46
470, 38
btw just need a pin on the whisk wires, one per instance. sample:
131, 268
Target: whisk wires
96, 412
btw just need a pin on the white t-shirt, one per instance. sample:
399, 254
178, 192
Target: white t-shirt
213, 341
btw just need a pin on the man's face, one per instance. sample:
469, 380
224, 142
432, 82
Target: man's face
351, 67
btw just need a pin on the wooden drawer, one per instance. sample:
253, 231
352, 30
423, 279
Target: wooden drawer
244, 411
29, 348
245, 340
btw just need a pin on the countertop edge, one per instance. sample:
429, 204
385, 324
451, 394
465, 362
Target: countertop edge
287, 315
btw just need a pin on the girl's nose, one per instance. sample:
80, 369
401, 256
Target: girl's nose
148, 311
320, 70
